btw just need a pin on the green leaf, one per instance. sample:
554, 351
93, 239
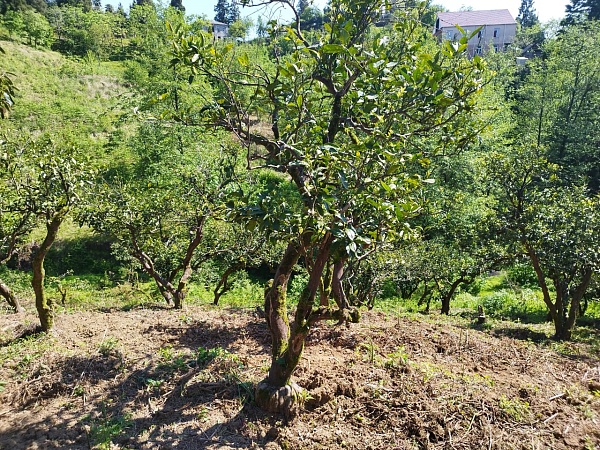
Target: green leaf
333, 48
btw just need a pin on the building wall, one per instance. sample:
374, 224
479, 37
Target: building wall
485, 39
220, 31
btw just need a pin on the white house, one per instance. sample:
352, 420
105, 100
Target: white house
219, 30
498, 29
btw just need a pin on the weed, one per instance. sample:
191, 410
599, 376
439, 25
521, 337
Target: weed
108, 346
371, 350
302, 396
203, 414
153, 384
205, 355
396, 359
173, 361
78, 391
245, 392
103, 431
166, 353
516, 409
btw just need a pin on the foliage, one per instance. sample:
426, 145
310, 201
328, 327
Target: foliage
7, 92
41, 181
581, 10
347, 120
527, 16
227, 11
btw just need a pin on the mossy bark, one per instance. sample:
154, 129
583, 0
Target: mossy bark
10, 297
276, 392
45, 305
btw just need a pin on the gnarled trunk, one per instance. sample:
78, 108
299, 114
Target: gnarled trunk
43, 304
276, 393
10, 298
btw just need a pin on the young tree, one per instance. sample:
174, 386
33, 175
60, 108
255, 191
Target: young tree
348, 119
553, 225
527, 16
44, 182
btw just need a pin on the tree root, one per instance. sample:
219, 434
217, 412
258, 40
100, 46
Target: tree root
284, 400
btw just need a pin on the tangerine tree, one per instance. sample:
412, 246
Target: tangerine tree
352, 119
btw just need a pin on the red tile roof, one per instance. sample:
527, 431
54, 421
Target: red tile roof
475, 18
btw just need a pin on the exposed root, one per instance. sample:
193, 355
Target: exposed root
284, 400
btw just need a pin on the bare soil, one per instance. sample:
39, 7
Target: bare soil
136, 379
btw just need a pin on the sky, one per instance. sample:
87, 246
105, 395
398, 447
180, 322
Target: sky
545, 9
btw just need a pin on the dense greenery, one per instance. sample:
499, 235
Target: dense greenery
345, 158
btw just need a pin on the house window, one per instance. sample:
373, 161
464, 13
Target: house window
496, 48
478, 50
496, 32
480, 34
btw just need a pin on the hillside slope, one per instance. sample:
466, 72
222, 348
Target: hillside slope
152, 378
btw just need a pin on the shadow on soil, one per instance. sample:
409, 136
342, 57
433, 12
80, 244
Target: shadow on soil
523, 334
202, 399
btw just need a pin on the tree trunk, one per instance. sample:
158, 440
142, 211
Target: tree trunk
10, 298
45, 305
448, 296
325, 288
277, 393
336, 284
569, 323
555, 314
223, 285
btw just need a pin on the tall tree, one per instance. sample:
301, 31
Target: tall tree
348, 121
178, 4
302, 5
582, 10
527, 16
233, 13
222, 11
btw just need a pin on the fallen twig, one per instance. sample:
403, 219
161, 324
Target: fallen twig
550, 418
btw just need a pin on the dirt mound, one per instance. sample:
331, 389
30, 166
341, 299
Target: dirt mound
147, 379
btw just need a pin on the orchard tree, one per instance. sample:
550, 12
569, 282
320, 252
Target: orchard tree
159, 216
41, 181
15, 223
347, 120
555, 227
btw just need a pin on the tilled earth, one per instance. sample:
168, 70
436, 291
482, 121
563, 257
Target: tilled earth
156, 378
